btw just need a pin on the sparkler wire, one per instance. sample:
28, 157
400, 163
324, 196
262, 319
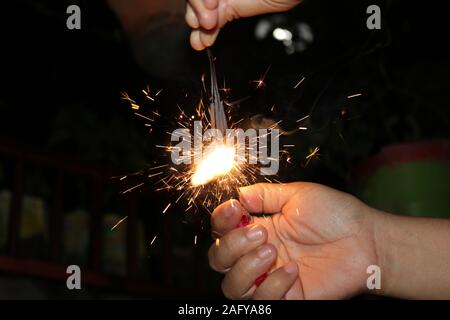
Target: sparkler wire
216, 111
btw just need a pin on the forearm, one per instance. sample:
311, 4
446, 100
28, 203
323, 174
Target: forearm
414, 256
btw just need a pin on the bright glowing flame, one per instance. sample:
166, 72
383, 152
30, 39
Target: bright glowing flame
218, 161
282, 34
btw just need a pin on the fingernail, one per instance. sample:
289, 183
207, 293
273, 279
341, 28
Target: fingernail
230, 211
261, 279
291, 268
211, 38
245, 221
254, 233
264, 252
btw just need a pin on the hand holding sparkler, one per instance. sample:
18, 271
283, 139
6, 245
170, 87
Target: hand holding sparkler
316, 243
207, 17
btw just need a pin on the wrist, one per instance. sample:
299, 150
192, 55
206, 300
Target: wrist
412, 256
387, 237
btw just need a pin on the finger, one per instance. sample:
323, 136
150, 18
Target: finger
239, 282
209, 37
277, 283
195, 40
191, 18
207, 18
226, 217
225, 15
253, 8
224, 253
267, 197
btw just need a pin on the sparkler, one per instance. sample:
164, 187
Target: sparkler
219, 174
216, 111
220, 158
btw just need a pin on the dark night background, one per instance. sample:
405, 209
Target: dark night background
64, 129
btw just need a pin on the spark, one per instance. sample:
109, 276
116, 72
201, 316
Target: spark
195, 240
132, 188
234, 124
155, 174
260, 82
142, 116
159, 167
299, 83
147, 94
313, 153
126, 97
225, 89
166, 208
154, 238
354, 95
133, 103
303, 119
120, 221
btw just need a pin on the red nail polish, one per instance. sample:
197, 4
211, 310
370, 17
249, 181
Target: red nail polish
245, 220
260, 279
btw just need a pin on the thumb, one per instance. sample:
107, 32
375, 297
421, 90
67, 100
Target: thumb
267, 197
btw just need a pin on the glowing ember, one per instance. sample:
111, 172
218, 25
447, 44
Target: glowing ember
219, 161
